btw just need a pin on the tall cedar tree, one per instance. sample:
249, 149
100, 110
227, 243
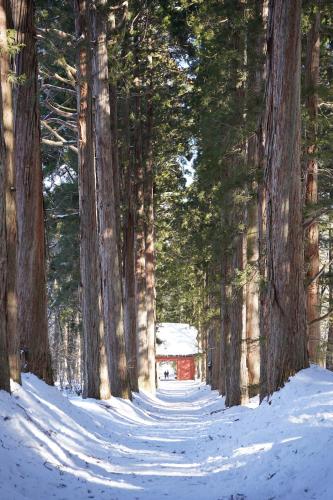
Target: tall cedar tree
31, 276
13, 338
97, 383
140, 257
129, 249
311, 196
255, 88
4, 364
286, 350
108, 242
150, 235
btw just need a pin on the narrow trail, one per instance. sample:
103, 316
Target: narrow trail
180, 444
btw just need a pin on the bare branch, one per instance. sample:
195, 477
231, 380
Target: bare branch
60, 89
60, 112
60, 144
63, 216
307, 223
64, 80
61, 141
326, 105
70, 70
64, 123
58, 77
319, 273
59, 33
321, 318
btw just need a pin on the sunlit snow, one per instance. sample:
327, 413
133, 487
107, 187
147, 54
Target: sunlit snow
180, 444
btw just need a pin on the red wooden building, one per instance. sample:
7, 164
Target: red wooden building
176, 351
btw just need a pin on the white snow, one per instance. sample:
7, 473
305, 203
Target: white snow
181, 444
176, 339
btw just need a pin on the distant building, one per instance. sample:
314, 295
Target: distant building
177, 350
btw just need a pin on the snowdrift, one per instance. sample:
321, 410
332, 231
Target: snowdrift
181, 444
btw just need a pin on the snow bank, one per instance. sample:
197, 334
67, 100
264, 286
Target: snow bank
176, 339
180, 444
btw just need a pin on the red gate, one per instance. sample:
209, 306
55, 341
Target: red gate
185, 366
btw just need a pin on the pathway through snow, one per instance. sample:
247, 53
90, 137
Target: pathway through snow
183, 444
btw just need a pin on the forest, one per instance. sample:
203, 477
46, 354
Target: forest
166, 161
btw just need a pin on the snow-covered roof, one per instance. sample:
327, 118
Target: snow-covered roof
176, 339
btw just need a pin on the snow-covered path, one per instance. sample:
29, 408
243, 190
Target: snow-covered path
181, 444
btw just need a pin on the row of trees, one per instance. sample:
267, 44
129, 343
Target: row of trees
257, 205
131, 94
102, 94
144, 104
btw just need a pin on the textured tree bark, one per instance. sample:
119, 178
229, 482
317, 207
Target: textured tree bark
243, 350
150, 244
286, 315
31, 276
4, 363
226, 294
216, 344
210, 351
129, 256
96, 376
115, 163
252, 300
13, 339
140, 257
263, 298
316, 354
224, 328
214, 339
108, 242
237, 392
329, 350
262, 229
256, 80
203, 341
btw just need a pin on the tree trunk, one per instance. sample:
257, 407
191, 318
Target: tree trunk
108, 242
238, 388
316, 354
140, 257
115, 163
10, 201
216, 344
252, 299
4, 363
202, 342
226, 326
256, 79
97, 383
31, 277
214, 338
237, 392
329, 351
129, 256
286, 315
263, 298
216, 368
150, 244
262, 230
